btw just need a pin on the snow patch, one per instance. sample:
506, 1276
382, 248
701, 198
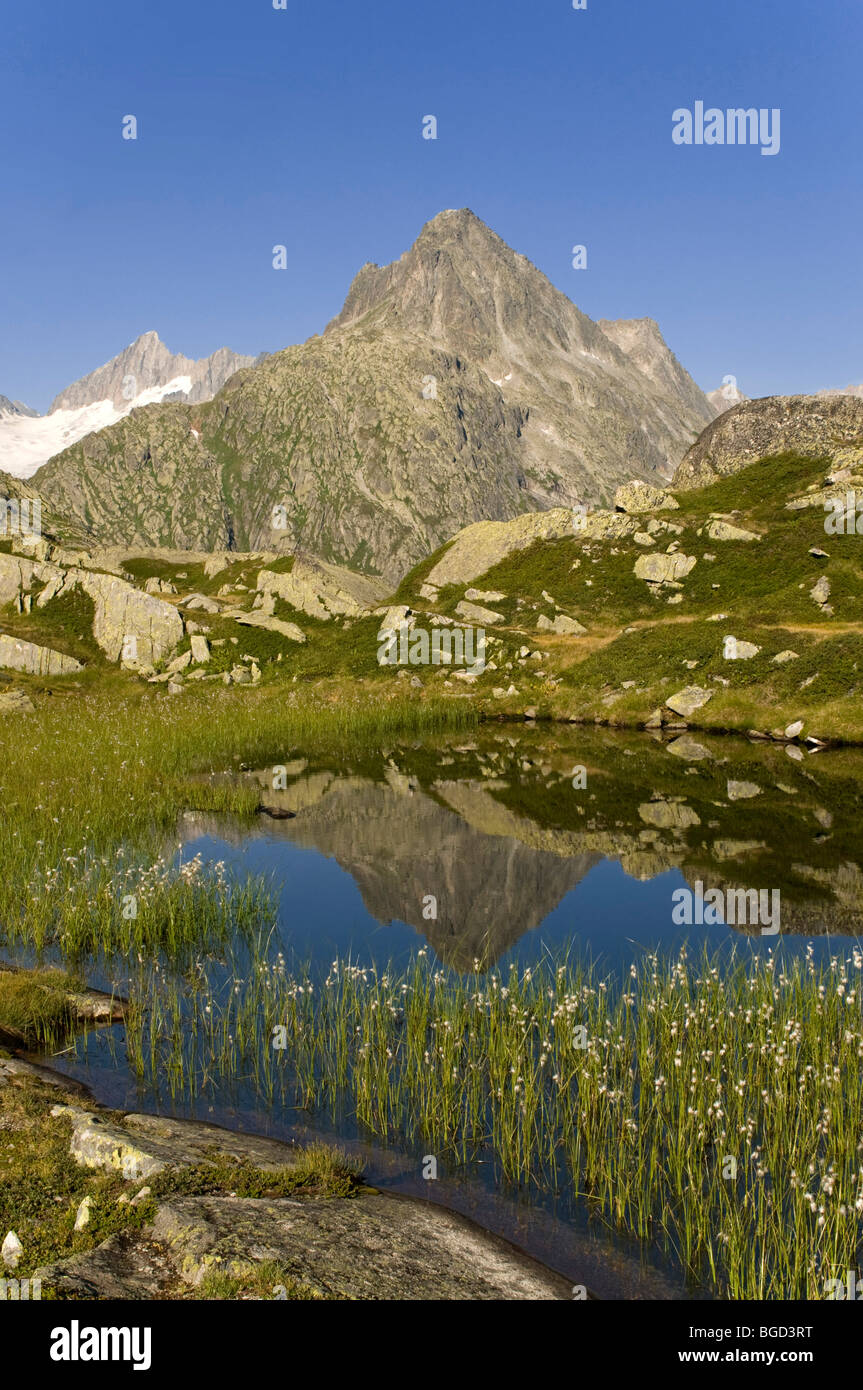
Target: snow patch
26, 442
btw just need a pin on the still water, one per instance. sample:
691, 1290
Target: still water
502, 847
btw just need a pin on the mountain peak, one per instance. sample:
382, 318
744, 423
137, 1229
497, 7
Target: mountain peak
146, 365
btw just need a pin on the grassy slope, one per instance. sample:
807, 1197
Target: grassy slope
634, 636
762, 586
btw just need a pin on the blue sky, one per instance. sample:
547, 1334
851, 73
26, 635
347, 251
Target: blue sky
303, 127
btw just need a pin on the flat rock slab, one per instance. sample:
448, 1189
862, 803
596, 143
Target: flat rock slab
16, 1072
125, 1266
373, 1246
145, 1144
370, 1247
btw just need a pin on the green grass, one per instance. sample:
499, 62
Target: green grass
35, 1006
91, 801
267, 1280
320, 1172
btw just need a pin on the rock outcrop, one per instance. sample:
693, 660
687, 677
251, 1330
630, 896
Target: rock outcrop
120, 611
16, 655
815, 426
372, 1245
637, 497
322, 590
475, 549
660, 568
125, 619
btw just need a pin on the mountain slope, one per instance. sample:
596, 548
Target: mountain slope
456, 385
606, 407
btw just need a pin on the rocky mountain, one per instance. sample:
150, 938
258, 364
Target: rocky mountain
593, 396
812, 426
143, 374
8, 407
644, 345
147, 364
456, 385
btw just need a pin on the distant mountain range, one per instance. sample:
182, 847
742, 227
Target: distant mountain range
8, 407
143, 374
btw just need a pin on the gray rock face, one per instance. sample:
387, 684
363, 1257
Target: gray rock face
200, 648
16, 576
741, 651
810, 425
475, 613
644, 346
201, 603
8, 407
461, 284
16, 655
724, 531
562, 625
145, 1144
742, 791
475, 549
820, 592
120, 612
264, 620
686, 702
373, 1246
370, 1247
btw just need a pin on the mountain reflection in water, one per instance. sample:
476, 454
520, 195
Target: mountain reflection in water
498, 832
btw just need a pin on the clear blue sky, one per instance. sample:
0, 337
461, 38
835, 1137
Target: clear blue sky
303, 127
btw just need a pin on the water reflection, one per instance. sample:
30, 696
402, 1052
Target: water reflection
474, 845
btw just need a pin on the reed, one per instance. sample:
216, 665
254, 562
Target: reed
711, 1110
